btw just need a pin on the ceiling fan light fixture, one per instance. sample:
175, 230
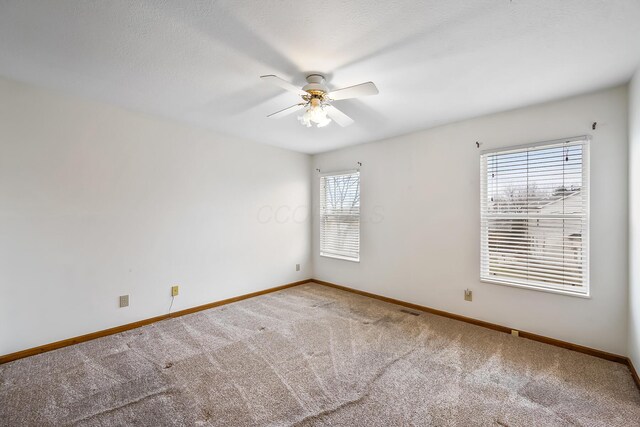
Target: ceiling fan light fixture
314, 113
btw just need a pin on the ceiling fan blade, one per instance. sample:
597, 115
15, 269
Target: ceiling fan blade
283, 84
286, 111
363, 89
338, 116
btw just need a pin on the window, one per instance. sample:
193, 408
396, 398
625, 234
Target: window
340, 215
535, 216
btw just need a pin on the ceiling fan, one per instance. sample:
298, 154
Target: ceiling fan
317, 99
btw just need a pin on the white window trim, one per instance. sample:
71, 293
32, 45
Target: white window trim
343, 258
587, 170
540, 289
334, 256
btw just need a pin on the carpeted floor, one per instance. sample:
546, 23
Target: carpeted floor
313, 355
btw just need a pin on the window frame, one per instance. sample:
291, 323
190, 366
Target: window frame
585, 141
321, 215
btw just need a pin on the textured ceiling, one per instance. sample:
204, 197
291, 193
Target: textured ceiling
433, 61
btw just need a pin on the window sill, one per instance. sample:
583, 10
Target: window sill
340, 257
539, 289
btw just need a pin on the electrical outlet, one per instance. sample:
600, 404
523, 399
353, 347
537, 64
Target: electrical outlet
515, 333
297, 267
174, 291
124, 301
468, 295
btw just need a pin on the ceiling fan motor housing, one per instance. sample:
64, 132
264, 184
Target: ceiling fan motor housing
315, 85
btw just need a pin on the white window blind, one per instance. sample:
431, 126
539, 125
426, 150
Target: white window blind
340, 215
535, 216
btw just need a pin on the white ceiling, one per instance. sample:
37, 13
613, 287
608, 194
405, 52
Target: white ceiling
433, 61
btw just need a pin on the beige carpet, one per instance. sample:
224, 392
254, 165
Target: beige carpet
313, 355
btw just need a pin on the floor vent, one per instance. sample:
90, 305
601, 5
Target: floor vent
413, 313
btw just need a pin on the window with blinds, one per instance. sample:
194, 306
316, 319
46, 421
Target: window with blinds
535, 216
340, 215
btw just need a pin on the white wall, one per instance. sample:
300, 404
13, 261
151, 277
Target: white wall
634, 220
96, 202
420, 236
